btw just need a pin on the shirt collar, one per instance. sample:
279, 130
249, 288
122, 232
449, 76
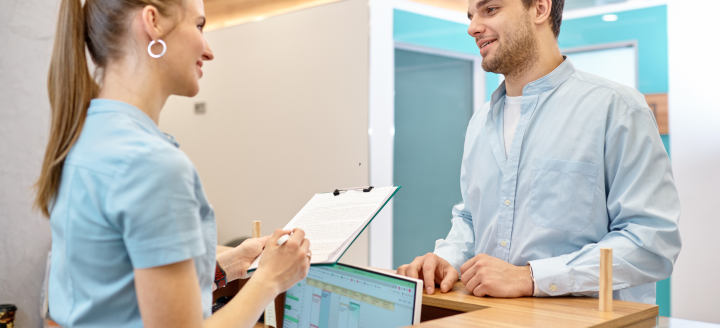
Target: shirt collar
546, 83
113, 106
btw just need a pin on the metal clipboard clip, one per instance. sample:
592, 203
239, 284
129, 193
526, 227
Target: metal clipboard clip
341, 190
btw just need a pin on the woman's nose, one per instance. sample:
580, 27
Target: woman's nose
208, 54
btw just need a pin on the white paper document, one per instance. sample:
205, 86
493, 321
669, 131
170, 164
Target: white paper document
331, 223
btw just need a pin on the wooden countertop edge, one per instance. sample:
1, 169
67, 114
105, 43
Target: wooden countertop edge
525, 312
580, 311
452, 304
527, 317
631, 318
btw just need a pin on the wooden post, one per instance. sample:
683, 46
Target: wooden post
256, 229
606, 280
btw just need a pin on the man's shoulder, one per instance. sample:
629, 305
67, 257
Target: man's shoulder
614, 91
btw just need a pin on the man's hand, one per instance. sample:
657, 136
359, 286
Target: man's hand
487, 275
236, 261
431, 269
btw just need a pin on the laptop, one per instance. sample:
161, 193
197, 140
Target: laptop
346, 296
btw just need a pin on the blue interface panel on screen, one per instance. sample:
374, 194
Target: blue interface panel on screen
343, 296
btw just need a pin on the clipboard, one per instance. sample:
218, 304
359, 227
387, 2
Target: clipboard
345, 199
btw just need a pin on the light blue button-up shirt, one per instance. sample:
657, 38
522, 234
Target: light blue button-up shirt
128, 199
586, 169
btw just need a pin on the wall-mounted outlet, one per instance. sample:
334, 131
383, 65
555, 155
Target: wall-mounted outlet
200, 108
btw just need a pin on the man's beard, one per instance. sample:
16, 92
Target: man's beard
516, 54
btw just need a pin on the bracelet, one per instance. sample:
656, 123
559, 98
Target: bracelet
220, 276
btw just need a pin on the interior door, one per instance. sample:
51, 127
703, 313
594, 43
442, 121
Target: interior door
433, 105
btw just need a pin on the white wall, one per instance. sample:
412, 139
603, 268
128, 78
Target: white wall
695, 146
26, 36
382, 125
287, 116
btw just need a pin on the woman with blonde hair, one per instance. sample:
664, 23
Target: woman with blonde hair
134, 237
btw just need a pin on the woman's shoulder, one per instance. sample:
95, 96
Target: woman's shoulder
111, 142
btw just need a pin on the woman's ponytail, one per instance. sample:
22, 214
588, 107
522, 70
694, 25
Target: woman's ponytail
70, 87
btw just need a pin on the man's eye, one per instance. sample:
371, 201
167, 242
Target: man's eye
200, 27
491, 9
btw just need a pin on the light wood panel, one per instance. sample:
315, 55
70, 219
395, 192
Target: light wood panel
535, 311
224, 13
659, 105
455, 5
556, 312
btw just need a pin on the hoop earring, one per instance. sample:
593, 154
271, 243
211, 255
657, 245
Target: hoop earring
150, 49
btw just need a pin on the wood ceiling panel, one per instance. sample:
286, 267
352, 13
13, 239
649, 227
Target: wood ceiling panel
455, 5
223, 13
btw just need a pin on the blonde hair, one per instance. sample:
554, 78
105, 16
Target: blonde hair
101, 25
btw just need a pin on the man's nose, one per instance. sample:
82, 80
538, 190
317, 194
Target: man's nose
476, 27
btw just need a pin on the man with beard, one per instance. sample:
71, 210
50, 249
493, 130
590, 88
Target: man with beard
557, 165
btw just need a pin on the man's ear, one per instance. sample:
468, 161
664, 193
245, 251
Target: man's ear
150, 18
542, 11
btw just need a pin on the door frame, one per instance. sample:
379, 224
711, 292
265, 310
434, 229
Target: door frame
607, 46
381, 122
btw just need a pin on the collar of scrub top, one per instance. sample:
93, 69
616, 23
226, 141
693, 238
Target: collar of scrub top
145, 122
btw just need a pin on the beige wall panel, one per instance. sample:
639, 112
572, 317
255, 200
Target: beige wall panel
286, 116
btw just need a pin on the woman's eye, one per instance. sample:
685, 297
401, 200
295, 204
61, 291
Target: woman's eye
200, 27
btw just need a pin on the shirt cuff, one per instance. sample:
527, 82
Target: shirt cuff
445, 250
535, 286
552, 277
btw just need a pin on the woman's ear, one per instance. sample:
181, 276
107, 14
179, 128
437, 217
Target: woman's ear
150, 18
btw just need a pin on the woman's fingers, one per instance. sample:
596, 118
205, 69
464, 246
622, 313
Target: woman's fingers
305, 247
263, 240
297, 237
272, 240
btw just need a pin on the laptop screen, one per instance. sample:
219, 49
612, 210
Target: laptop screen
341, 296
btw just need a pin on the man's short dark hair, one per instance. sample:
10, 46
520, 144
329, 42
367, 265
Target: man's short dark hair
555, 14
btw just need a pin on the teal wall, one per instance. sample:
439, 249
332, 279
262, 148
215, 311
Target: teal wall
432, 32
646, 26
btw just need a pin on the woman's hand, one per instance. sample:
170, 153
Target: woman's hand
283, 266
236, 261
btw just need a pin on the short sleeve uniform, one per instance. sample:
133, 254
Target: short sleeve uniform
128, 199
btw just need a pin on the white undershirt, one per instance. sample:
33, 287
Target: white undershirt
511, 117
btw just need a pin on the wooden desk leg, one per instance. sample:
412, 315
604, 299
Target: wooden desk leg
280, 310
606, 280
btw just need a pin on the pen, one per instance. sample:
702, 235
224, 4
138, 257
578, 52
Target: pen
283, 239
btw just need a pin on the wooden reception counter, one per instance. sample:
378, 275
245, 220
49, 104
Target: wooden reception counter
458, 308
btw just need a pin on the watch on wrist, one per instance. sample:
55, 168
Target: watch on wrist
220, 276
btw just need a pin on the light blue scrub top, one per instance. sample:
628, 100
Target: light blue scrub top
128, 199
586, 169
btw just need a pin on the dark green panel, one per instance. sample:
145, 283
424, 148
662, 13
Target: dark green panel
433, 105
663, 296
662, 288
